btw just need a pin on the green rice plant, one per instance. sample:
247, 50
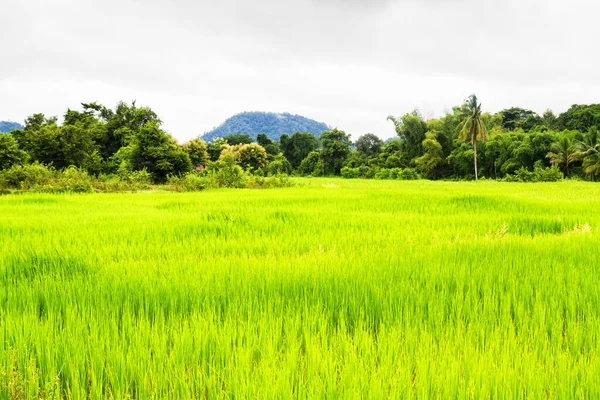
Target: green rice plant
333, 288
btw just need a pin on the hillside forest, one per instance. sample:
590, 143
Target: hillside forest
127, 144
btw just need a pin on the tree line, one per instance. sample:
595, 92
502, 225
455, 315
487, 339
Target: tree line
465, 143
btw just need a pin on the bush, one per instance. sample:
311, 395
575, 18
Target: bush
395, 173
278, 181
383, 173
350, 173
225, 172
409, 174
141, 179
404, 174
72, 180
220, 174
311, 165
551, 174
26, 177
38, 177
367, 172
539, 174
190, 182
279, 165
110, 184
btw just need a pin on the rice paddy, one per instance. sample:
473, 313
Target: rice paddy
331, 289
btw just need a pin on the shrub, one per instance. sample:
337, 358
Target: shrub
72, 180
111, 184
311, 165
141, 179
409, 174
32, 176
550, 174
383, 173
190, 182
395, 173
405, 174
278, 181
539, 174
279, 165
350, 173
367, 172
225, 172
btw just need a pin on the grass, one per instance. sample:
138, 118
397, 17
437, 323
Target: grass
333, 289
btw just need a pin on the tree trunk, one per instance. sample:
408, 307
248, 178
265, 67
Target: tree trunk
475, 156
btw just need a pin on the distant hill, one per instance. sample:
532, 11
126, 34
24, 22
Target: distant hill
7, 126
272, 124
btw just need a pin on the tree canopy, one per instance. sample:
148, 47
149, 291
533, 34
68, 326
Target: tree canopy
465, 143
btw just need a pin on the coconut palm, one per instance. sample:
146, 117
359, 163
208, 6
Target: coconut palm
562, 153
591, 163
589, 152
473, 127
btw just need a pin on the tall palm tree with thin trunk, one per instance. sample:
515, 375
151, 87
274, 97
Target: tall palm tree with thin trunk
473, 127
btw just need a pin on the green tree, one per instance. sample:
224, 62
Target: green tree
10, 153
432, 159
61, 146
215, 148
473, 127
158, 153
263, 139
269, 145
369, 145
519, 118
550, 120
119, 125
579, 117
248, 156
279, 165
335, 148
392, 155
312, 164
411, 129
196, 150
297, 147
238, 138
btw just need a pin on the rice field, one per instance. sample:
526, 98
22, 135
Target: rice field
332, 289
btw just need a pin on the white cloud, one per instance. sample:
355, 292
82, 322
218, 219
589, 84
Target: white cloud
349, 64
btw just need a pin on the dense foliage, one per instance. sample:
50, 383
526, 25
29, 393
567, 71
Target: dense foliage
514, 144
271, 124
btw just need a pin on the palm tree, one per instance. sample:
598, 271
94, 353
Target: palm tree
589, 152
563, 152
591, 163
473, 127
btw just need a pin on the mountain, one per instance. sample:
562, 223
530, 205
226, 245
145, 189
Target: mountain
272, 124
7, 126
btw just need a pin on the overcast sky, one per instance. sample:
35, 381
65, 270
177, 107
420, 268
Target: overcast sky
348, 63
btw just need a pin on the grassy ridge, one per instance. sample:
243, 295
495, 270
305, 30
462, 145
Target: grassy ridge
335, 289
